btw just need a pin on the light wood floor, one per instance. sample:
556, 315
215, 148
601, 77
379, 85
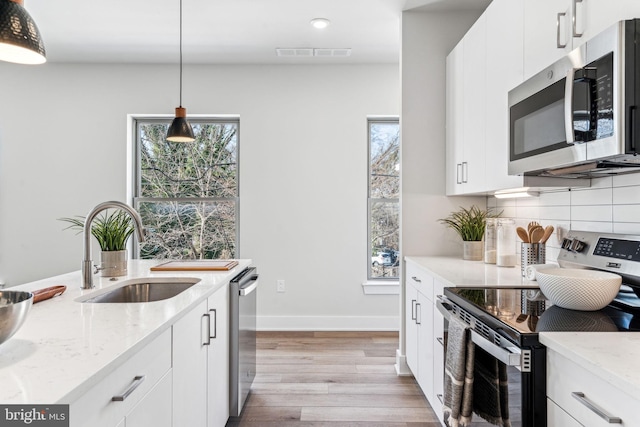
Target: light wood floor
332, 379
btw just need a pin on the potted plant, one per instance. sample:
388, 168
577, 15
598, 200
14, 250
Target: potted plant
470, 226
112, 230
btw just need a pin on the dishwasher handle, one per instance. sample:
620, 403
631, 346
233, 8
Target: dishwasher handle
247, 289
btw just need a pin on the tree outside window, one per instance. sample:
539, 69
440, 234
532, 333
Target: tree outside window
384, 194
187, 193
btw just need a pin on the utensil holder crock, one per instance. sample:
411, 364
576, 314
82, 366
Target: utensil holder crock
530, 254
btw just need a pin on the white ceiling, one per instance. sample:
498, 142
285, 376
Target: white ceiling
224, 31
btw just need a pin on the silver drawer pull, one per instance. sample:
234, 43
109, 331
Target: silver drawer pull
440, 340
440, 398
134, 385
580, 397
415, 279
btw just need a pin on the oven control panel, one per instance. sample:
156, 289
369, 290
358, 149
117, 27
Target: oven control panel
617, 253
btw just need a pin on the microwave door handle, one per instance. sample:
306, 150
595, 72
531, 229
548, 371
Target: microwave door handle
568, 107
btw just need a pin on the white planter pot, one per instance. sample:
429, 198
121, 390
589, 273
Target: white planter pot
473, 251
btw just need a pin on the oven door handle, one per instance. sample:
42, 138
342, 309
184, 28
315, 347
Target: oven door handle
442, 309
505, 356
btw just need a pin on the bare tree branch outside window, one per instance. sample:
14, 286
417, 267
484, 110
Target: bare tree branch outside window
187, 193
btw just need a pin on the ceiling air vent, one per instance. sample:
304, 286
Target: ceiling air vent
294, 51
323, 52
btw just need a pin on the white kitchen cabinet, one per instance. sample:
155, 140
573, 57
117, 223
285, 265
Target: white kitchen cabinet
454, 121
566, 378
466, 68
141, 377
547, 33
559, 418
201, 364
439, 352
423, 351
218, 359
190, 369
504, 59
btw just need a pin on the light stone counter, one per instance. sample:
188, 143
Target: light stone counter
65, 346
611, 356
456, 272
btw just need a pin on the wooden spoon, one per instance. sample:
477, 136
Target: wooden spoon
536, 234
547, 233
531, 226
522, 234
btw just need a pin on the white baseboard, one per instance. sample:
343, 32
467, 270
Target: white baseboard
328, 323
402, 369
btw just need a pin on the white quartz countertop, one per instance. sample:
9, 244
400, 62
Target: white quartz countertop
456, 272
65, 346
609, 355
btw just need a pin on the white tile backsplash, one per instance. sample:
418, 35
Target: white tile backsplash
611, 204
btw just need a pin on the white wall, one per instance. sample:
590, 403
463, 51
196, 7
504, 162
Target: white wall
303, 163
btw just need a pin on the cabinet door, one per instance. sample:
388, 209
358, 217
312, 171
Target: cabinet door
424, 318
454, 120
189, 369
474, 88
593, 16
155, 407
438, 352
504, 71
411, 295
541, 36
218, 359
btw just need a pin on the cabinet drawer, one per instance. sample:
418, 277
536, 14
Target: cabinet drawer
565, 377
556, 417
96, 407
421, 279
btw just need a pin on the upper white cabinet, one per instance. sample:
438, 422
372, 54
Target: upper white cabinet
454, 121
553, 28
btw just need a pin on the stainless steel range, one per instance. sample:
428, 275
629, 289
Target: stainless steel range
512, 337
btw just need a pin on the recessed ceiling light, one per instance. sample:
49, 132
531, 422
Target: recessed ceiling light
320, 23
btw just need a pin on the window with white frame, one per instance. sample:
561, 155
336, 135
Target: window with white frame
384, 199
187, 193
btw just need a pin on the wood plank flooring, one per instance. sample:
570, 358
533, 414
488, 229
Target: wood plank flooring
332, 379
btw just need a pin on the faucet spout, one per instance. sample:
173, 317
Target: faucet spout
87, 274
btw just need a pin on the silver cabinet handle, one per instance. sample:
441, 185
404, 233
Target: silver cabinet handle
465, 172
134, 385
215, 326
413, 309
558, 18
415, 279
440, 340
440, 398
458, 173
418, 311
573, 18
580, 397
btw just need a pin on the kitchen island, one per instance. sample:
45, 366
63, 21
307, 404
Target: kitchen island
67, 347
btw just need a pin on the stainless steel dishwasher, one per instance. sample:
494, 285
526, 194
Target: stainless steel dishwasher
242, 338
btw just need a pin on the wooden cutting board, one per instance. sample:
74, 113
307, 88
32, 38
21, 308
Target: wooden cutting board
196, 265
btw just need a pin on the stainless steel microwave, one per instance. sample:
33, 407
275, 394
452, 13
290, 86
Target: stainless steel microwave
579, 116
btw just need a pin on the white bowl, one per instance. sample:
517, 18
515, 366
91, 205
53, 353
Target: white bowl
578, 289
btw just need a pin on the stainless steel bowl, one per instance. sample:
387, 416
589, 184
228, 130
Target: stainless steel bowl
14, 306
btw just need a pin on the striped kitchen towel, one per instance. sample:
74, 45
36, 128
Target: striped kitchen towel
458, 379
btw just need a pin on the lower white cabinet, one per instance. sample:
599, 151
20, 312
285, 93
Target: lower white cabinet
201, 364
155, 408
582, 396
439, 340
423, 351
142, 381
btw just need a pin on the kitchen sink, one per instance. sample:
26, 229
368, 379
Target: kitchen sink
144, 290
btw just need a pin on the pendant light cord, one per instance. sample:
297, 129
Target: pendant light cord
180, 53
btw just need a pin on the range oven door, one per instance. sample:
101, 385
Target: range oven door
526, 370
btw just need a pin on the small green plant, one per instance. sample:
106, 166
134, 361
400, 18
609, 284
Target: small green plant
111, 230
469, 223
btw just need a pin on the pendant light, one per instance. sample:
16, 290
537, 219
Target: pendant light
180, 129
20, 40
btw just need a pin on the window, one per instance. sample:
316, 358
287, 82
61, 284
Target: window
187, 193
384, 204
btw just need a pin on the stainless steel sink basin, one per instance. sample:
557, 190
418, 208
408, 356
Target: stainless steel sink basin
145, 290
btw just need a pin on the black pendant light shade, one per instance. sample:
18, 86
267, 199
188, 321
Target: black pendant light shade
20, 40
180, 129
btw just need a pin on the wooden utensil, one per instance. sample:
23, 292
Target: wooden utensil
46, 293
536, 234
522, 234
547, 233
531, 226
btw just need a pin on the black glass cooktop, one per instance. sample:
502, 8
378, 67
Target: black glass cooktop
527, 311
